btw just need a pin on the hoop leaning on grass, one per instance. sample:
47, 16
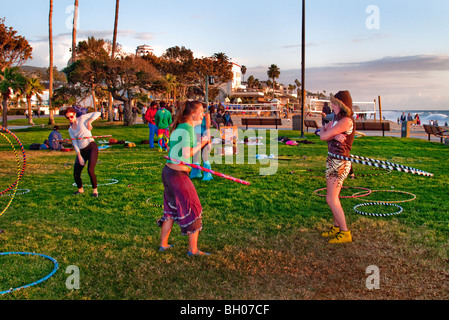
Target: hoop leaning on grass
55, 263
381, 164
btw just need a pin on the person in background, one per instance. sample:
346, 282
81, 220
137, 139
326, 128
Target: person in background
201, 130
149, 117
54, 139
163, 120
144, 110
326, 111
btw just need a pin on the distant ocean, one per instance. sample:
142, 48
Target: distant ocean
442, 116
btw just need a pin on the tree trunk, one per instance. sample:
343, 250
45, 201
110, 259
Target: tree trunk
75, 22
127, 113
5, 112
30, 113
51, 119
114, 44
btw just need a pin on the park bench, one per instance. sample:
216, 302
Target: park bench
310, 124
373, 126
261, 122
434, 130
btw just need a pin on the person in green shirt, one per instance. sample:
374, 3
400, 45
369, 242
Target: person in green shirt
163, 120
181, 201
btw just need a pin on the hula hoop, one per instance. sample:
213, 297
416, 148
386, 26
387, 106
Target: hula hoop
114, 181
359, 134
153, 204
135, 168
56, 267
377, 204
22, 169
18, 177
398, 201
353, 196
388, 171
17, 194
381, 164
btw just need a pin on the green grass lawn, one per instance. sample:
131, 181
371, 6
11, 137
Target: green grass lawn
264, 238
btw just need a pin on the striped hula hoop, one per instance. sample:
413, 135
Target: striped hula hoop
377, 204
55, 263
17, 181
381, 164
21, 168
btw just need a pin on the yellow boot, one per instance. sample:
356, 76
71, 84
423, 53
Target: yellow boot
342, 237
331, 233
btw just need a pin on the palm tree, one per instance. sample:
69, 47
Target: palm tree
33, 87
273, 73
114, 45
243, 69
51, 119
11, 81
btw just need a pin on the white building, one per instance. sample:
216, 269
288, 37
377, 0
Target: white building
143, 50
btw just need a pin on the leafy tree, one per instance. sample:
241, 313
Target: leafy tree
11, 82
124, 76
250, 81
14, 49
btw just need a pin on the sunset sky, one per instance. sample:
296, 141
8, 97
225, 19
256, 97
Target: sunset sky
394, 49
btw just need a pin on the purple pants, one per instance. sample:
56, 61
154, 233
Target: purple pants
181, 202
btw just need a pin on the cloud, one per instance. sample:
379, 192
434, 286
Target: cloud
402, 81
102, 34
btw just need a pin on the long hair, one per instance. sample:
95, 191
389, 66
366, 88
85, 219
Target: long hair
184, 111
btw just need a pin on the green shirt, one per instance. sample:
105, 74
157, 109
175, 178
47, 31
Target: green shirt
163, 119
183, 136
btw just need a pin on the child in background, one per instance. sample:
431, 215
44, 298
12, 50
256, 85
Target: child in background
163, 120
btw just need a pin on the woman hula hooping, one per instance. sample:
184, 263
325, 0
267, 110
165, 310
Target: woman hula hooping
181, 201
86, 149
339, 135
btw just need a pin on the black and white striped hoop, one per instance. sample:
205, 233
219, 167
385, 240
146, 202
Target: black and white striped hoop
381, 164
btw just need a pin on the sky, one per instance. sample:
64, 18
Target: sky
395, 49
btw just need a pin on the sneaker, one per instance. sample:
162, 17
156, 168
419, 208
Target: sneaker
331, 233
342, 237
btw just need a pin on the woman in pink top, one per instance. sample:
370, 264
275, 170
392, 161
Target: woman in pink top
85, 147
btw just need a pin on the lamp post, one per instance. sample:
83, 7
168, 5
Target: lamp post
303, 52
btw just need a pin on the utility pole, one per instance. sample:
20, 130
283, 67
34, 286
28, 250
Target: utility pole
303, 49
